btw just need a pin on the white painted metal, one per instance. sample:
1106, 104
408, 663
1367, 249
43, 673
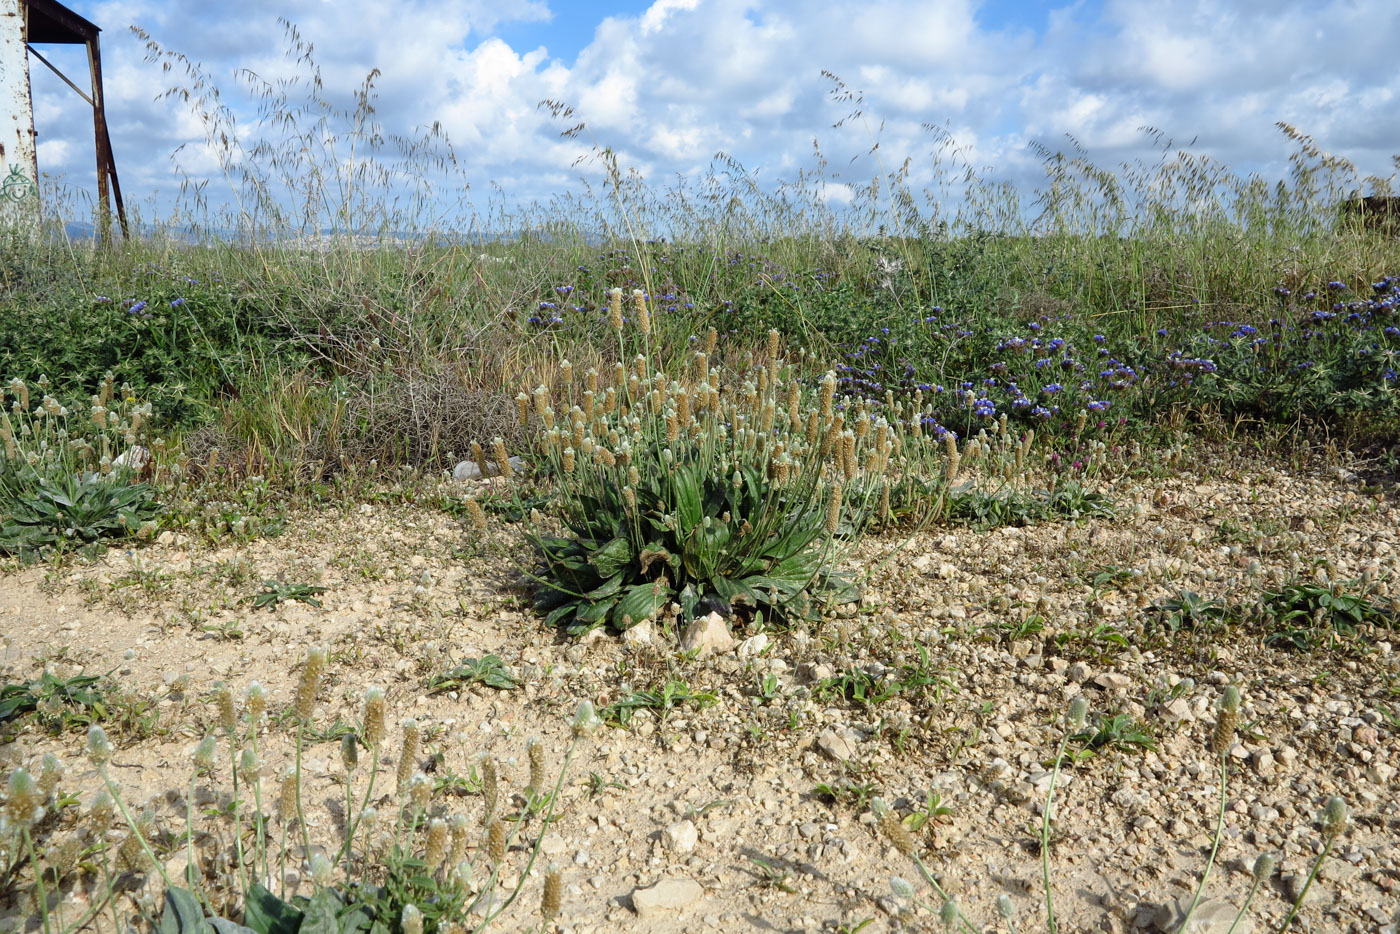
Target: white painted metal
19, 168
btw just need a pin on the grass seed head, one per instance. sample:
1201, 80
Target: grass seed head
490, 788
24, 802
102, 812
949, 913
322, 874
1226, 718
833, 510
255, 699
420, 791
498, 449
228, 716
553, 892
615, 309
408, 755
287, 794
310, 679
436, 849
250, 766
51, 771
1078, 711
1334, 817
458, 827
374, 716
204, 755
496, 841
585, 719
890, 827
99, 746
535, 749
349, 752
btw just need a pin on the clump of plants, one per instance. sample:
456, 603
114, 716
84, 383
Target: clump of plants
403, 863
709, 490
69, 480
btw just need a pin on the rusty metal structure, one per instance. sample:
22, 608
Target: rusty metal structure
23, 25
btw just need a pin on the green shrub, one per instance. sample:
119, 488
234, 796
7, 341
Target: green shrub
701, 490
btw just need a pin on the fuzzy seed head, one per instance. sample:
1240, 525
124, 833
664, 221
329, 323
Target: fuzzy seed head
204, 755
287, 794
948, 914
411, 921
349, 751
1228, 715
901, 887
99, 746
1263, 868
250, 766
827, 394
420, 790
321, 871
893, 831
498, 451
436, 848
1078, 710
101, 812
496, 842
24, 802
615, 309
228, 716
255, 699
50, 774
639, 305
310, 679
374, 717
490, 788
833, 510
553, 893
409, 753
585, 719
1334, 817
537, 777
458, 827
1004, 907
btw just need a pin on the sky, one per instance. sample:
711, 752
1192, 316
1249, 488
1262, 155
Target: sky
667, 85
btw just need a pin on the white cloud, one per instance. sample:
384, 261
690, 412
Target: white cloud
668, 88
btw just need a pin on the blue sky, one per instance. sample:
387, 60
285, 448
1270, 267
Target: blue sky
668, 84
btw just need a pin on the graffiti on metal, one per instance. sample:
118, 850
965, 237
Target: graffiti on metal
16, 187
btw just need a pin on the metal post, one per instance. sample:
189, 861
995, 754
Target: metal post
19, 167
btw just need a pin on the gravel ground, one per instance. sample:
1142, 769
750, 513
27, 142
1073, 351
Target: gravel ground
708, 815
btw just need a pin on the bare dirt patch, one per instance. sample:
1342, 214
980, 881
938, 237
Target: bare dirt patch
951, 678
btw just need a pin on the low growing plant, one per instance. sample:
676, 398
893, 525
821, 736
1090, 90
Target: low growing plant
400, 865
697, 489
68, 481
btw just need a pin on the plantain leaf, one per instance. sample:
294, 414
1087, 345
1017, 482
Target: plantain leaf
640, 602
